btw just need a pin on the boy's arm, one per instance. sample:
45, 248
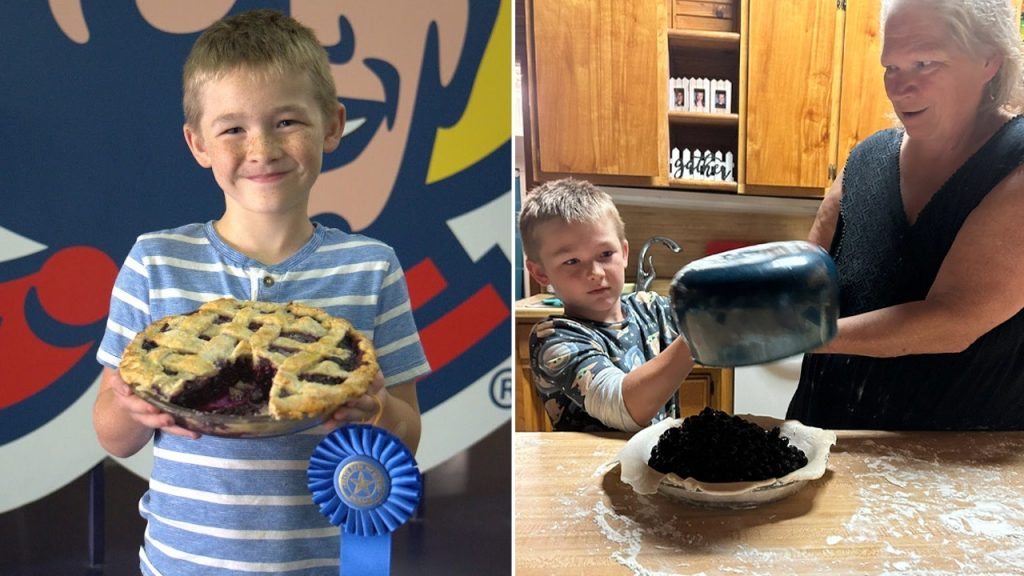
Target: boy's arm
646, 388
401, 357
400, 411
567, 359
124, 423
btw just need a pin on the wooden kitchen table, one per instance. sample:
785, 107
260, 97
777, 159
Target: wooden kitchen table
890, 503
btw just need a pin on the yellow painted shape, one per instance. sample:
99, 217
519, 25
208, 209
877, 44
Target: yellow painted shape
486, 122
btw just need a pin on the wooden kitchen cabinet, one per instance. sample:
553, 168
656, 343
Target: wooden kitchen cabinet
712, 54
704, 386
791, 51
597, 73
529, 413
863, 107
815, 90
596, 90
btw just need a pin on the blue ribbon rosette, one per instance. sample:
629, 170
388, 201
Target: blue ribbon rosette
366, 482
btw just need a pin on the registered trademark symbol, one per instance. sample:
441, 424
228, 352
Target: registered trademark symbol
501, 388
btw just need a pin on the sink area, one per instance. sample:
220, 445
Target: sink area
645, 272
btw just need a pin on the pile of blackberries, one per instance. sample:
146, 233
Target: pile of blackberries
716, 447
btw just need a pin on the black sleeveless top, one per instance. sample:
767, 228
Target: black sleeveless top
883, 260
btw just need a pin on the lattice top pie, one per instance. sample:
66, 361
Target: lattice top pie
243, 357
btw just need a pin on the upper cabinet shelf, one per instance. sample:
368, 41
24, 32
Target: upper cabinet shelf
704, 39
703, 118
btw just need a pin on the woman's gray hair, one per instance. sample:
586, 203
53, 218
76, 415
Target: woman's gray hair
977, 26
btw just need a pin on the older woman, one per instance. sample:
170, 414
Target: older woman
926, 225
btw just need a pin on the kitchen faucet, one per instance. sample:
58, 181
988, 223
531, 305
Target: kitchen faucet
644, 276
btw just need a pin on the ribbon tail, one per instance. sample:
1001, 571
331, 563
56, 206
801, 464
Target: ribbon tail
365, 555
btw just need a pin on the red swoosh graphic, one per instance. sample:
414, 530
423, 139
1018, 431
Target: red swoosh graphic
73, 287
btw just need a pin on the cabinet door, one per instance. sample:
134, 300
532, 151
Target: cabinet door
695, 393
791, 45
703, 387
864, 108
598, 91
530, 413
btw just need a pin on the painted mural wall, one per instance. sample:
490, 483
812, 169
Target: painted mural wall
93, 156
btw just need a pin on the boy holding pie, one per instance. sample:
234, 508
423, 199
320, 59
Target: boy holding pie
260, 111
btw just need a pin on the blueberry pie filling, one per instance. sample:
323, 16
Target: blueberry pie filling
246, 358
240, 389
714, 446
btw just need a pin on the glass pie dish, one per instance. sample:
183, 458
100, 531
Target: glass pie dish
815, 443
261, 425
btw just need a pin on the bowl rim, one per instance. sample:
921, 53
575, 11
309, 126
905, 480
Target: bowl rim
814, 442
635, 455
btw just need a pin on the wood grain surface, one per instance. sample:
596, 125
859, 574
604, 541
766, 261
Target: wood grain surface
789, 92
599, 87
864, 107
889, 503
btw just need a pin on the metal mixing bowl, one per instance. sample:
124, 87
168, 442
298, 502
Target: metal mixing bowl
758, 303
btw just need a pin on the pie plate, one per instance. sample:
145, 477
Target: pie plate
815, 442
232, 426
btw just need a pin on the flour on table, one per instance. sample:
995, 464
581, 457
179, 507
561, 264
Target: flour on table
976, 503
968, 507
627, 533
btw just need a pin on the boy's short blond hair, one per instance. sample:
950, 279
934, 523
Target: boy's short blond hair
568, 201
263, 41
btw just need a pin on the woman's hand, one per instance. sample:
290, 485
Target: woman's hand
363, 409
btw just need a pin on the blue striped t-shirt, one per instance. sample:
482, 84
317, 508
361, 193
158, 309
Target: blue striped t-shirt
220, 506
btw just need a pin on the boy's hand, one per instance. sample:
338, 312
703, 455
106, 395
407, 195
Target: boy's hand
364, 409
145, 413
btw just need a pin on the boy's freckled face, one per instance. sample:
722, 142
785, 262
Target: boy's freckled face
586, 263
264, 138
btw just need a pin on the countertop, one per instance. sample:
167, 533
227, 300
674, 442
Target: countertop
890, 503
532, 307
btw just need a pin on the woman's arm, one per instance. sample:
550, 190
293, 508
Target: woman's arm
824, 227
979, 286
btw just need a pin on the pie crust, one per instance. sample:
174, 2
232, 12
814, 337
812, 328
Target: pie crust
245, 357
